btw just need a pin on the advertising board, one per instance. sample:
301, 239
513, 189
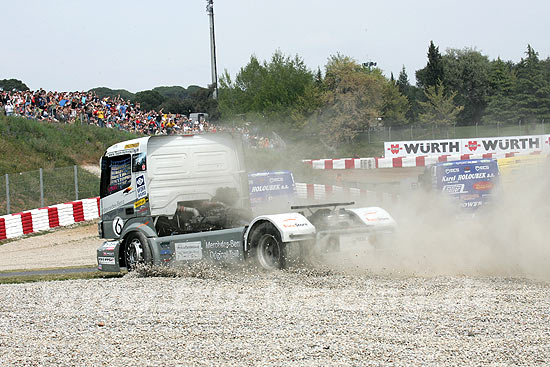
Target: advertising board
504, 144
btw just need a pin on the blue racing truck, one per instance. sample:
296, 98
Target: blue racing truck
470, 182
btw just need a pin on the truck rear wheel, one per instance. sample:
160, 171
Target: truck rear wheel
267, 248
136, 251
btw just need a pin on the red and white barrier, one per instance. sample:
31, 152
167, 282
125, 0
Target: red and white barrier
400, 162
60, 215
324, 192
342, 163
36, 220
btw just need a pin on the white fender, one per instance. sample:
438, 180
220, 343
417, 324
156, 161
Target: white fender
291, 226
374, 217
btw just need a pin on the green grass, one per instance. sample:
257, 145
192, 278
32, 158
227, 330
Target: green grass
59, 187
27, 145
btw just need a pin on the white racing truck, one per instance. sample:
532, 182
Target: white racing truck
169, 200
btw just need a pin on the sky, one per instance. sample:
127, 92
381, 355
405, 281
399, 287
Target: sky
69, 45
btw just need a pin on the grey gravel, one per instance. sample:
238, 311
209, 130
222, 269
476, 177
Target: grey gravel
301, 317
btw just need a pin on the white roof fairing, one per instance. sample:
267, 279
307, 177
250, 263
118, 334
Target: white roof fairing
184, 168
128, 147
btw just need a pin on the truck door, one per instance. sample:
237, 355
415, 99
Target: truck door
118, 193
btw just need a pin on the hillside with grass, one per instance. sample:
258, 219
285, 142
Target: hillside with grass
28, 145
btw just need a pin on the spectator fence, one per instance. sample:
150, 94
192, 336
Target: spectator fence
44, 187
427, 131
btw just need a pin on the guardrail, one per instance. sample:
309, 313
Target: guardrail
21, 191
323, 192
400, 162
66, 214
43, 219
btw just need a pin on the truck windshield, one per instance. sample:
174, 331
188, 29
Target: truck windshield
116, 174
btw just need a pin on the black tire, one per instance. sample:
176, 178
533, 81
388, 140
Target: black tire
267, 249
136, 251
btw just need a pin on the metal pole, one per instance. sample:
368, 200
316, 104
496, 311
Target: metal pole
498, 128
41, 189
210, 12
76, 181
389, 133
412, 132
7, 194
476, 131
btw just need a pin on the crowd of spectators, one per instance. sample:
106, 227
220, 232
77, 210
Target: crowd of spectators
113, 112
88, 108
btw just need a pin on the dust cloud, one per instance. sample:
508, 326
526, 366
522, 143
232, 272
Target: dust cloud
508, 238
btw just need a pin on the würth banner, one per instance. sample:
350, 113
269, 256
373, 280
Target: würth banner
505, 144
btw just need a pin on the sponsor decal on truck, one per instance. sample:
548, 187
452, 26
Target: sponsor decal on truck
470, 181
268, 186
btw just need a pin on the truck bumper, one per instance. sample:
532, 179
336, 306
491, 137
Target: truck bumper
108, 256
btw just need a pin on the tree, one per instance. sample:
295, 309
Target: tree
319, 78
353, 99
201, 100
466, 71
433, 72
185, 101
175, 105
176, 92
403, 82
11, 84
394, 106
270, 89
149, 100
103, 92
532, 89
439, 108
501, 101
412, 93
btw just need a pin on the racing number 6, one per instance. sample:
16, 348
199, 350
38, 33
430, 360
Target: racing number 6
118, 223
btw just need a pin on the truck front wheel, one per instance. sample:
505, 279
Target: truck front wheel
136, 251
